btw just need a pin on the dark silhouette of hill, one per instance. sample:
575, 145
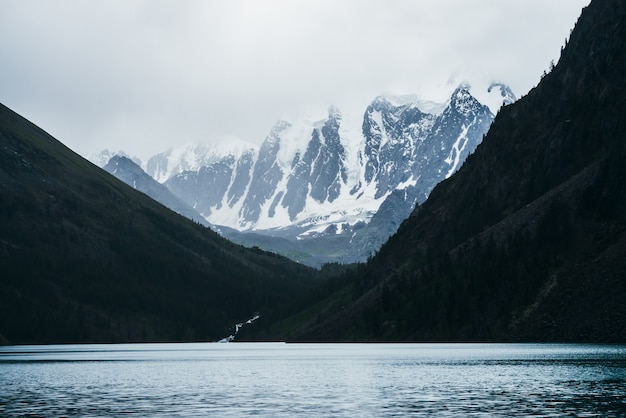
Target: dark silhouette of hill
85, 258
527, 241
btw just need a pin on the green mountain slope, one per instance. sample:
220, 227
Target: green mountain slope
528, 240
84, 257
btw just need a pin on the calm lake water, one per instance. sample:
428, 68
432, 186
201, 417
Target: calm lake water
273, 379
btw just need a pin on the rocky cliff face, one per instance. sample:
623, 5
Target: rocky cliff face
320, 172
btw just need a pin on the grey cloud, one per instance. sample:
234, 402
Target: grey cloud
145, 75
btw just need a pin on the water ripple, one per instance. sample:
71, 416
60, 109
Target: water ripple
281, 380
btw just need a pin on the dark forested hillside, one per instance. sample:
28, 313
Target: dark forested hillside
84, 257
528, 240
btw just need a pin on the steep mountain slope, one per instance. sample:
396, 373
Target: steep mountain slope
528, 240
84, 257
132, 174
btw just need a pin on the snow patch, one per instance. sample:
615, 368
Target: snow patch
454, 158
238, 328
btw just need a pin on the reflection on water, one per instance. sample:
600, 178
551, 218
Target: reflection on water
271, 379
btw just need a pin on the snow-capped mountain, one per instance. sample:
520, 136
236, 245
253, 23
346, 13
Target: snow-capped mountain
194, 156
315, 178
322, 180
102, 158
339, 186
506, 96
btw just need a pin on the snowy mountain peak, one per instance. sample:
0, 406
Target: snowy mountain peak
119, 160
102, 158
495, 95
278, 127
463, 101
507, 95
194, 155
334, 113
380, 103
229, 145
413, 101
400, 100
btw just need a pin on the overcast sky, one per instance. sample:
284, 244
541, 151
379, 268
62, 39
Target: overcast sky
145, 75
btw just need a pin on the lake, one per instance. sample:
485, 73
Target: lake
340, 380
